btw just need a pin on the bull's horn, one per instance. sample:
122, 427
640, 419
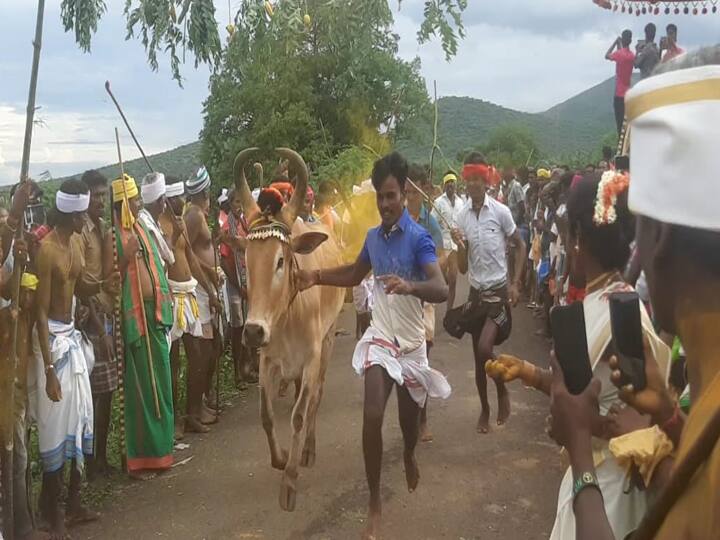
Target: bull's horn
290, 211
260, 173
248, 203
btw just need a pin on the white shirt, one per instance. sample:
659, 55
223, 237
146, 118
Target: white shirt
450, 213
486, 234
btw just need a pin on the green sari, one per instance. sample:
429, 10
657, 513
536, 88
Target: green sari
149, 424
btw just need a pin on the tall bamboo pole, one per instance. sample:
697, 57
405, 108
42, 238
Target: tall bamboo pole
8, 435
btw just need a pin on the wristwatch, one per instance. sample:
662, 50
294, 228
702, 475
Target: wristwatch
49, 367
586, 479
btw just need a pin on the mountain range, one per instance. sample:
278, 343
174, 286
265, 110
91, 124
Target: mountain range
574, 126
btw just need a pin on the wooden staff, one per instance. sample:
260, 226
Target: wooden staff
127, 125
151, 368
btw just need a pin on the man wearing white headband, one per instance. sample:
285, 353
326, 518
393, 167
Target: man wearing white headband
198, 189
674, 128
59, 380
184, 275
152, 191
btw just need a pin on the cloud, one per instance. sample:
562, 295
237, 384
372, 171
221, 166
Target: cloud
523, 54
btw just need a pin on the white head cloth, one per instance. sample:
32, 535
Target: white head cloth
674, 157
67, 203
152, 187
223, 195
174, 190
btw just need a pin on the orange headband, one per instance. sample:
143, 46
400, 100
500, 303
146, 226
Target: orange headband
487, 172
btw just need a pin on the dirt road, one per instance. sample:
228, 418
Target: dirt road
497, 486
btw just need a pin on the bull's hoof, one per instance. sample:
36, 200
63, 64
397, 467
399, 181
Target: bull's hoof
308, 458
287, 495
280, 462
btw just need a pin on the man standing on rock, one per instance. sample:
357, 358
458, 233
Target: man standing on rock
401, 255
484, 227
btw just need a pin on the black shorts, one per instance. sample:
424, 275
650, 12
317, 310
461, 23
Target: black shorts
470, 317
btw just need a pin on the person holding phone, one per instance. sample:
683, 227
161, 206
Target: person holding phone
647, 54
484, 229
624, 60
669, 44
600, 237
679, 250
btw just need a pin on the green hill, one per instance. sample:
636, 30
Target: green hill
577, 125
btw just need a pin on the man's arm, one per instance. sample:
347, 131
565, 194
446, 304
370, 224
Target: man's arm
520, 250
202, 277
42, 306
609, 53
193, 225
349, 275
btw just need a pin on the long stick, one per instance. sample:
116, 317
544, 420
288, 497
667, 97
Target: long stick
9, 434
435, 129
430, 202
127, 125
151, 367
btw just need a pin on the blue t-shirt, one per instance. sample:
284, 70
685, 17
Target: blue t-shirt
403, 251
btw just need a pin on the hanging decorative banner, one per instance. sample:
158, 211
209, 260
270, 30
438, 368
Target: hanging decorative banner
657, 7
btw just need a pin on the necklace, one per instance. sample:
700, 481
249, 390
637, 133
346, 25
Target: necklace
604, 279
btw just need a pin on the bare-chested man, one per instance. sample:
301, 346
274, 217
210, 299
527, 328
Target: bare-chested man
60, 395
164, 203
197, 189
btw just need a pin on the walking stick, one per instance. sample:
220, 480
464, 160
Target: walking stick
220, 320
127, 125
151, 367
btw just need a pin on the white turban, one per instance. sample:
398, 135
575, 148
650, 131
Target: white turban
674, 159
199, 182
174, 190
223, 196
153, 187
68, 203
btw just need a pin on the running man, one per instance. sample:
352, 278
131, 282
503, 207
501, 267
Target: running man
447, 209
392, 352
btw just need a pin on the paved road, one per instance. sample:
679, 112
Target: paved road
497, 486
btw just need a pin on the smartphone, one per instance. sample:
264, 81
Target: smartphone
640, 43
622, 163
627, 338
663, 42
571, 349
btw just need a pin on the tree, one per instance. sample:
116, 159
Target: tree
320, 84
511, 146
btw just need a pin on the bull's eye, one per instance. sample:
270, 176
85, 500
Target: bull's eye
280, 263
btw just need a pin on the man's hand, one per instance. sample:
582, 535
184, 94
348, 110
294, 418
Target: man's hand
622, 420
132, 247
215, 304
573, 417
304, 279
457, 236
514, 294
506, 368
395, 284
21, 199
111, 285
20, 248
52, 386
654, 399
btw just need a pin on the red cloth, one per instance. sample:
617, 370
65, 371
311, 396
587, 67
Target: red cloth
241, 232
672, 52
624, 64
575, 294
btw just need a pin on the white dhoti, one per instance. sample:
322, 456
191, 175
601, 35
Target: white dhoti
65, 428
186, 309
410, 369
205, 315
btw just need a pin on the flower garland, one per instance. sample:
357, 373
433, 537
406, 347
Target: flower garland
610, 186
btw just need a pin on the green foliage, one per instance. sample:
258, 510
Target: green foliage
511, 145
82, 16
443, 18
319, 88
350, 167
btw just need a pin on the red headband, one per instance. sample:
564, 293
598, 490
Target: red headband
486, 172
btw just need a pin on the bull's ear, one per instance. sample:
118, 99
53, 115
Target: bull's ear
308, 242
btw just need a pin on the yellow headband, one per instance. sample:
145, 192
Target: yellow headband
543, 173
449, 177
123, 190
29, 281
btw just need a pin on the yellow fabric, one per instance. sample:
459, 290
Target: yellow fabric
181, 309
29, 281
695, 514
124, 189
703, 90
644, 448
449, 177
543, 174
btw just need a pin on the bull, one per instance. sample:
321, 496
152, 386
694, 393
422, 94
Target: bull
294, 331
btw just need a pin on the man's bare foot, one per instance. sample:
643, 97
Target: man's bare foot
412, 472
372, 529
425, 433
483, 423
503, 408
55, 519
193, 425
79, 515
179, 428
207, 418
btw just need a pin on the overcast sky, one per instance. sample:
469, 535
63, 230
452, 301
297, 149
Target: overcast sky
524, 54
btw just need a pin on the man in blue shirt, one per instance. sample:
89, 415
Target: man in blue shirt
392, 352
